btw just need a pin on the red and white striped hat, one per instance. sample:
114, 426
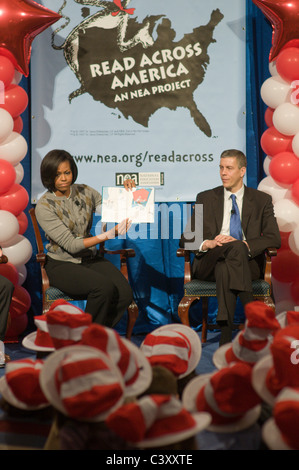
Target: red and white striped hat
82, 382
20, 385
176, 347
252, 343
156, 420
132, 363
39, 340
288, 318
226, 394
66, 323
281, 431
280, 368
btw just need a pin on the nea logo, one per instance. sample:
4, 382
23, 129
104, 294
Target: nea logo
121, 177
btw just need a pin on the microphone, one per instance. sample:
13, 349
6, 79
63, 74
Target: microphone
233, 211
77, 203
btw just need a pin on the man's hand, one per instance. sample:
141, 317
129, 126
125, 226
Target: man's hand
219, 240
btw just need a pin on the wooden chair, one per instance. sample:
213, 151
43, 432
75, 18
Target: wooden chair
50, 294
194, 290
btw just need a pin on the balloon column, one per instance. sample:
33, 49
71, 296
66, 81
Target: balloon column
20, 22
280, 142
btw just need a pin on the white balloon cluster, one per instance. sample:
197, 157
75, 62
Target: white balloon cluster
281, 166
13, 221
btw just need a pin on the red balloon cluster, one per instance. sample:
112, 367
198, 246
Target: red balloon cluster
280, 142
13, 197
20, 22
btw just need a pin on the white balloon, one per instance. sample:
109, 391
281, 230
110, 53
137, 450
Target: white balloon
275, 91
19, 252
22, 271
6, 124
17, 78
282, 291
294, 240
269, 186
286, 119
19, 173
266, 164
287, 214
14, 148
272, 68
295, 144
9, 227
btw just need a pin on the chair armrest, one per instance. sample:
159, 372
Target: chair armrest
269, 253
181, 252
3, 259
127, 252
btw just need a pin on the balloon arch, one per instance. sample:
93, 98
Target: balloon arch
280, 141
22, 20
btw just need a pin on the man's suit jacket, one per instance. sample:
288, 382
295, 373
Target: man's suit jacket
258, 221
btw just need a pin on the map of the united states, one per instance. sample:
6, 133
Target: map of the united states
140, 81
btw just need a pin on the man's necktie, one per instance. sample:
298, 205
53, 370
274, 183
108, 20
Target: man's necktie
235, 221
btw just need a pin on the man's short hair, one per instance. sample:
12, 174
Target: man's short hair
241, 158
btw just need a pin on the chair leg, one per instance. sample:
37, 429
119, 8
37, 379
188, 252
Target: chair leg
183, 309
132, 317
205, 311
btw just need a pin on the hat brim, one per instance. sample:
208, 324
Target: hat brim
12, 400
259, 375
282, 319
145, 371
48, 372
272, 436
219, 358
189, 401
202, 421
196, 347
29, 343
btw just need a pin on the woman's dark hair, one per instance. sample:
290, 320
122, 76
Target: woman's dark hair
50, 164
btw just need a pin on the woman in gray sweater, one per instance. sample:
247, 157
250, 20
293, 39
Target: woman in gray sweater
74, 265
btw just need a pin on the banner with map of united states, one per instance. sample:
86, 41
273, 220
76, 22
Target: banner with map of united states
153, 90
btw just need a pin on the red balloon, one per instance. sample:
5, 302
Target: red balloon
7, 70
287, 64
295, 192
285, 266
284, 236
20, 303
273, 142
20, 22
9, 271
295, 290
15, 200
7, 176
15, 100
283, 16
18, 124
269, 117
17, 326
284, 168
23, 222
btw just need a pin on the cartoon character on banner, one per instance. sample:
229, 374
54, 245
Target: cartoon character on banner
20, 22
280, 142
115, 14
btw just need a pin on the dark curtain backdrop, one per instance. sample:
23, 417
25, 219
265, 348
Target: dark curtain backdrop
156, 274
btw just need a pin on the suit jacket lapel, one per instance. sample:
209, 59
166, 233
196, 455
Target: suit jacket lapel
248, 206
218, 207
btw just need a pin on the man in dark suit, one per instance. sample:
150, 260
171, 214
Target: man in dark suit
232, 259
